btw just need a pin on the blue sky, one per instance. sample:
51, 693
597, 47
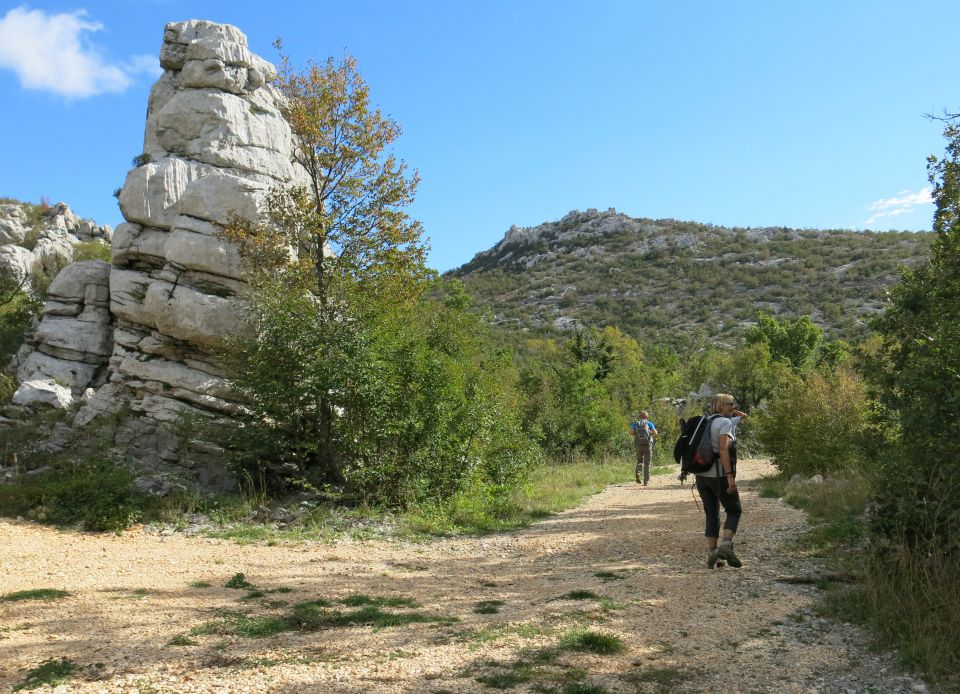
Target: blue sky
806, 115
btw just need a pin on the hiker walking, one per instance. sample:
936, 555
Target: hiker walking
644, 432
718, 486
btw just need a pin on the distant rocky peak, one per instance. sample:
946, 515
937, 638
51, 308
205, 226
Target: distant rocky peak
576, 223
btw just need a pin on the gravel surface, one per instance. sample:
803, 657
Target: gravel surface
150, 613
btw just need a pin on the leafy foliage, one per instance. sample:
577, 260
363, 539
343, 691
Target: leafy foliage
361, 372
817, 424
95, 494
915, 373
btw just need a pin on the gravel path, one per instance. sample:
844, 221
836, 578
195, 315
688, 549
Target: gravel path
135, 597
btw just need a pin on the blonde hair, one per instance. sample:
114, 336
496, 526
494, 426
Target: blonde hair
719, 400
644, 414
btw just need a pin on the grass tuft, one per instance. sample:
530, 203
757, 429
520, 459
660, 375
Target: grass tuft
580, 595
35, 594
239, 582
488, 606
51, 672
359, 600
593, 642
311, 615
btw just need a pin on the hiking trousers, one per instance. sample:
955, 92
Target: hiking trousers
644, 453
713, 492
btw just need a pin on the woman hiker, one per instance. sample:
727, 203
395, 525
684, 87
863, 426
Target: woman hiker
718, 486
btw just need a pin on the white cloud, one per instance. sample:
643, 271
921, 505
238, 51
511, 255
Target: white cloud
51, 52
903, 202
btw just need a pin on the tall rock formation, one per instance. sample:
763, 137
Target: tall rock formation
215, 143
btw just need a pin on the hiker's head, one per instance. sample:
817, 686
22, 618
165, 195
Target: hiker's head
643, 414
722, 402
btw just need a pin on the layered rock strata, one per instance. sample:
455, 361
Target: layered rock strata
67, 353
215, 142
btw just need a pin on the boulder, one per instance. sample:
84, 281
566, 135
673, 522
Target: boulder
18, 261
73, 341
42, 393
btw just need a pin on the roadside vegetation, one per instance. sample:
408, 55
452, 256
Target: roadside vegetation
380, 403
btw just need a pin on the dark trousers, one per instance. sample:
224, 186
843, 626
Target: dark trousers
713, 492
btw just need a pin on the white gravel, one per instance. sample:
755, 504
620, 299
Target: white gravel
686, 628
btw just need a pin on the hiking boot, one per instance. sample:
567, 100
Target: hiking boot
711, 558
639, 479
725, 552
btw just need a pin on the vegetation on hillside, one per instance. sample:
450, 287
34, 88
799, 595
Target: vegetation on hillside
686, 285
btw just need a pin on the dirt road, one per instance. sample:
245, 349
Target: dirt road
151, 613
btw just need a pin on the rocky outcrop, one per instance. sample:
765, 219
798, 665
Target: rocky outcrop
43, 237
215, 142
139, 339
72, 344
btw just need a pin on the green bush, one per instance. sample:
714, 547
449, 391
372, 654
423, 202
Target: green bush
91, 250
817, 424
914, 373
95, 494
421, 406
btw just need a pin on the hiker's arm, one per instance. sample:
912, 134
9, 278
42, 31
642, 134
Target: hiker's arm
725, 462
740, 413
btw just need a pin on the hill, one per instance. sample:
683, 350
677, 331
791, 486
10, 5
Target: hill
675, 282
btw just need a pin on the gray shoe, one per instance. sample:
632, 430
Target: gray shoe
711, 558
725, 552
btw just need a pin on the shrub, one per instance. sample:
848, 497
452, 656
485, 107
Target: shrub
817, 424
914, 373
421, 407
95, 493
91, 250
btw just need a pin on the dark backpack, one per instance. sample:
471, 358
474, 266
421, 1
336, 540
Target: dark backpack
694, 450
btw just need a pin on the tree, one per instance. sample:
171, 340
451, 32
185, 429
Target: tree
332, 261
916, 374
749, 373
792, 342
361, 370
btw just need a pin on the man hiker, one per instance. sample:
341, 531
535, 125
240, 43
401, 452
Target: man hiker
644, 432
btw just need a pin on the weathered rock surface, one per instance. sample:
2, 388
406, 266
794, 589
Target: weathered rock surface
215, 143
43, 237
140, 338
72, 344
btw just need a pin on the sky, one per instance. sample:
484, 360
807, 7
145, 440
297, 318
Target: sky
806, 114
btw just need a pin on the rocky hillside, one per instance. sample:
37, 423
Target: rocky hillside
676, 282
42, 238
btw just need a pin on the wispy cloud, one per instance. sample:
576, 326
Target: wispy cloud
903, 202
52, 52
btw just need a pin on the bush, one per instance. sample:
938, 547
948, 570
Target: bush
914, 373
816, 424
91, 250
96, 494
421, 407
